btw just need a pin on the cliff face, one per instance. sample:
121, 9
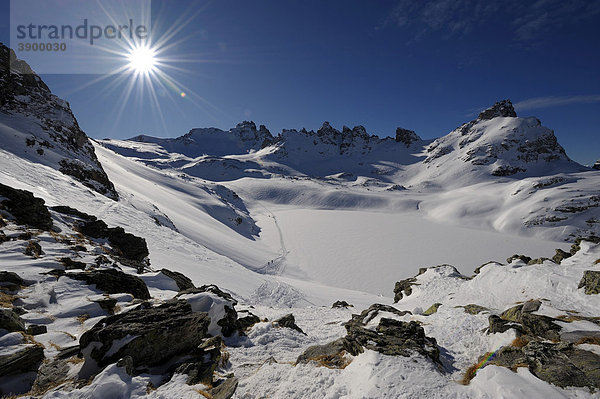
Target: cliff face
42, 128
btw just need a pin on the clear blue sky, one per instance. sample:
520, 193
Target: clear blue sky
423, 65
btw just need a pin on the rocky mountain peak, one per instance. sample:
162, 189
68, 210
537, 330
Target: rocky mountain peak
55, 138
597, 165
405, 136
502, 108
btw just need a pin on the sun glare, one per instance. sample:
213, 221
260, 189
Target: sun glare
142, 59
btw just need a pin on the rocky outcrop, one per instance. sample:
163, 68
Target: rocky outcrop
591, 282
183, 282
150, 336
27, 209
406, 137
403, 288
289, 321
112, 281
341, 304
390, 336
11, 321
502, 108
521, 319
57, 141
125, 244
560, 364
10, 281
24, 360
596, 165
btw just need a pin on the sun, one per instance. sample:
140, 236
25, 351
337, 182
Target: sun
142, 59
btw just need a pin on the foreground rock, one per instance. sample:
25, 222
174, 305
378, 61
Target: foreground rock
149, 336
524, 322
390, 336
560, 364
27, 209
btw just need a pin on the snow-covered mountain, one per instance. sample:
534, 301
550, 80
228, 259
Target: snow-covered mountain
41, 127
242, 264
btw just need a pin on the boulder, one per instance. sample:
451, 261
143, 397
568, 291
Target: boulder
34, 249
10, 280
289, 321
525, 323
524, 258
124, 244
11, 321
560, 364
113, 281
341, 304
432, 309
71, 264
151, 336
560, 255
27, 209
21, 361
183, 282
474, 309
591, 282
391, 337
225, 389
36, 329
404, 287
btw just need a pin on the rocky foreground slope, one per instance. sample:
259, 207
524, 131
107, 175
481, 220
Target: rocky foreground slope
84, 314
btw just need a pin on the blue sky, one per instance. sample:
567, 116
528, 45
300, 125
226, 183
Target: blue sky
424, 65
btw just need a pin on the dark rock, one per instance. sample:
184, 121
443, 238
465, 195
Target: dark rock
563, 365
183, 282
113, 281
27, 209
161, 335
499, 325
209, 288
11, 321
576, 247
432, 309
108, 304
502, 108
406, 137
71, 264
289, 321
526, 323
25, 360
404, 286
341, 304
206, 359
125, 244
33, 249
596, 165
503, 171
225, 389
67, 352
477, 270
591, 282
37, 330
51, 374
560, 255
67, 210
331, 355
531, 306
475, 309
11, 280
244, 323
390, 337
525, 259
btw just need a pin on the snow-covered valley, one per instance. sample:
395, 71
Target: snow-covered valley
183, 286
